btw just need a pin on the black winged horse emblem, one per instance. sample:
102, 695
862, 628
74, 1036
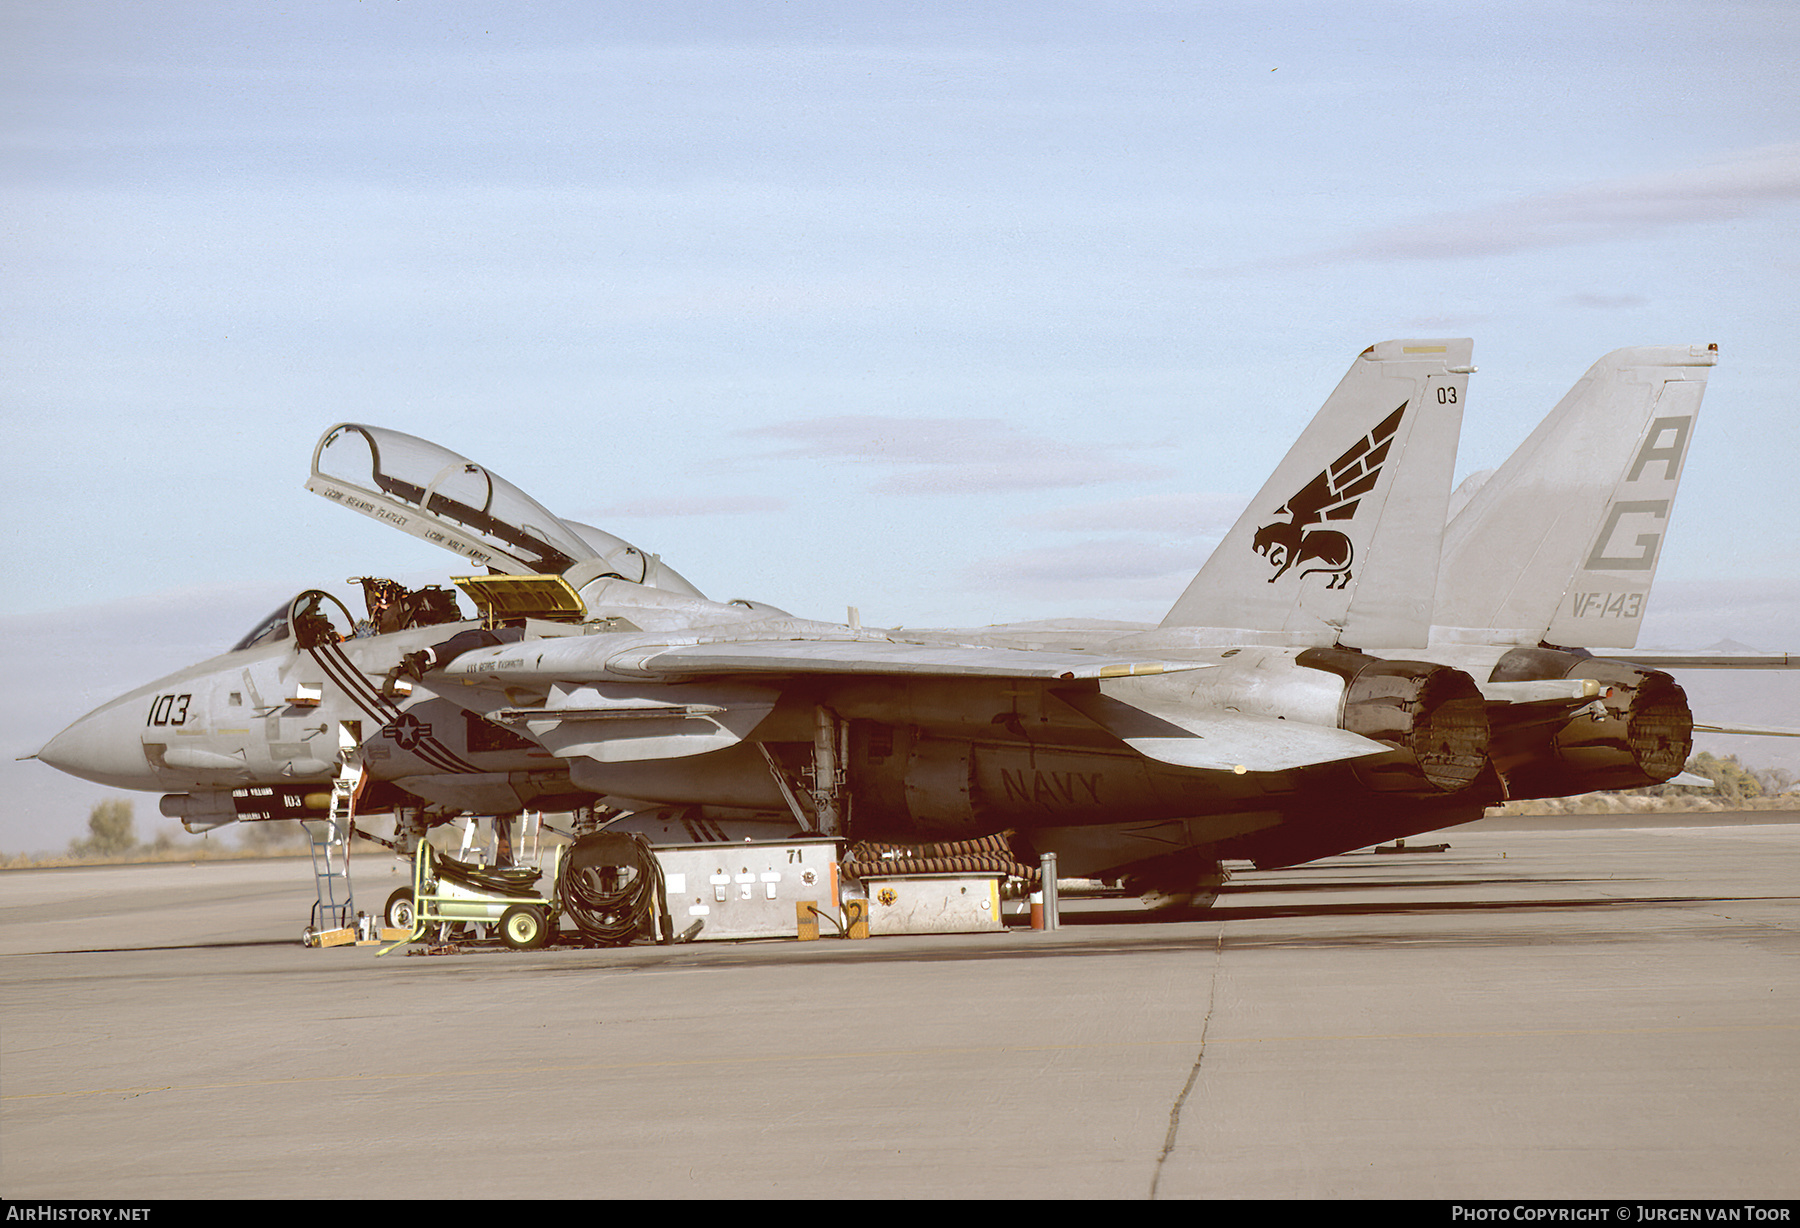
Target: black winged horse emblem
1332, 496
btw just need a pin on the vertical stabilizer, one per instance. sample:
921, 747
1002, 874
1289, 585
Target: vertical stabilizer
1342, 543
1561, 543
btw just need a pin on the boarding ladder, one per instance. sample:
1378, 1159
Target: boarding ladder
330, 837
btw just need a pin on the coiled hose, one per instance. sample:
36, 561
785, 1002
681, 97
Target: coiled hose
489, 880
609, 886
989, 854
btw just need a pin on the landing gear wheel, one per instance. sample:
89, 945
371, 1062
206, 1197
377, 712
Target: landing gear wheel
400, 911
1179, 887
522, 927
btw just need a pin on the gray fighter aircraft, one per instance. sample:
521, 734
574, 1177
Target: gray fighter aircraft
1250, 725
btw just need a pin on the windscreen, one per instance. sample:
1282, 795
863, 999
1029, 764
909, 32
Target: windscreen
267, 630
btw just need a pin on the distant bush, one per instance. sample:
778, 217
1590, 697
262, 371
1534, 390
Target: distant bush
280, 835
1734, 787
109, 831
1732, 782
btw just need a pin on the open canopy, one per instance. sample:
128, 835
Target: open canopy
433, 493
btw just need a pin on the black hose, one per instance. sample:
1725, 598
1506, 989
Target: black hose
609, 886
518, 881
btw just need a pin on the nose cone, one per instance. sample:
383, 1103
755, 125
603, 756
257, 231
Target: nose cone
106, 746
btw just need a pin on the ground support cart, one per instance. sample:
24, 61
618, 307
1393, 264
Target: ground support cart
447, 891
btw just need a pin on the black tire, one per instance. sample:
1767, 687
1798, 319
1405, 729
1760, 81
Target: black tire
522, 927
400, 912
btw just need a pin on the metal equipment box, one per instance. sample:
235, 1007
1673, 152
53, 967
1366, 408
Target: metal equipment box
749, 889
964, 903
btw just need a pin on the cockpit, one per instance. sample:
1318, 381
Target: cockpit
315, 616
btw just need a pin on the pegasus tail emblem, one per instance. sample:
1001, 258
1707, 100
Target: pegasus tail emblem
1332, 496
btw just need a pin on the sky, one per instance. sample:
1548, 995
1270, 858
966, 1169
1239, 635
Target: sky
953, 313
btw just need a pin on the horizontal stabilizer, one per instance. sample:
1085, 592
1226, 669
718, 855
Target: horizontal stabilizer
1216, 740
1691, 781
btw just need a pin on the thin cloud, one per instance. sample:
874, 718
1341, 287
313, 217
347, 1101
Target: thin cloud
1100, 567
1753, 181
718, 505
1694, 614
954, 455
1606, 302
1175, 515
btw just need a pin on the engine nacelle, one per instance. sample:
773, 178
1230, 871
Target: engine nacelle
1638, 732
908, 785
1433, 717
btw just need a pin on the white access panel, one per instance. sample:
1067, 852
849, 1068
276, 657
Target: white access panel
749, 889
934, 904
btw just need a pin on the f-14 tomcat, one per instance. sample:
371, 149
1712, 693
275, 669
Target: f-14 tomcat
1256, 723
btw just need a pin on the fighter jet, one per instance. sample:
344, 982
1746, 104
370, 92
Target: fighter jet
596, 674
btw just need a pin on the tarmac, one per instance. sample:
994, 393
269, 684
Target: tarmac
1570, 1009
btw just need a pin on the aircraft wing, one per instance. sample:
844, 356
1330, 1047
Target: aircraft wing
600, 658
614, 702
645, 699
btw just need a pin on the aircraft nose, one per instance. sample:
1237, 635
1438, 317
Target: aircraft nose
106, 746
